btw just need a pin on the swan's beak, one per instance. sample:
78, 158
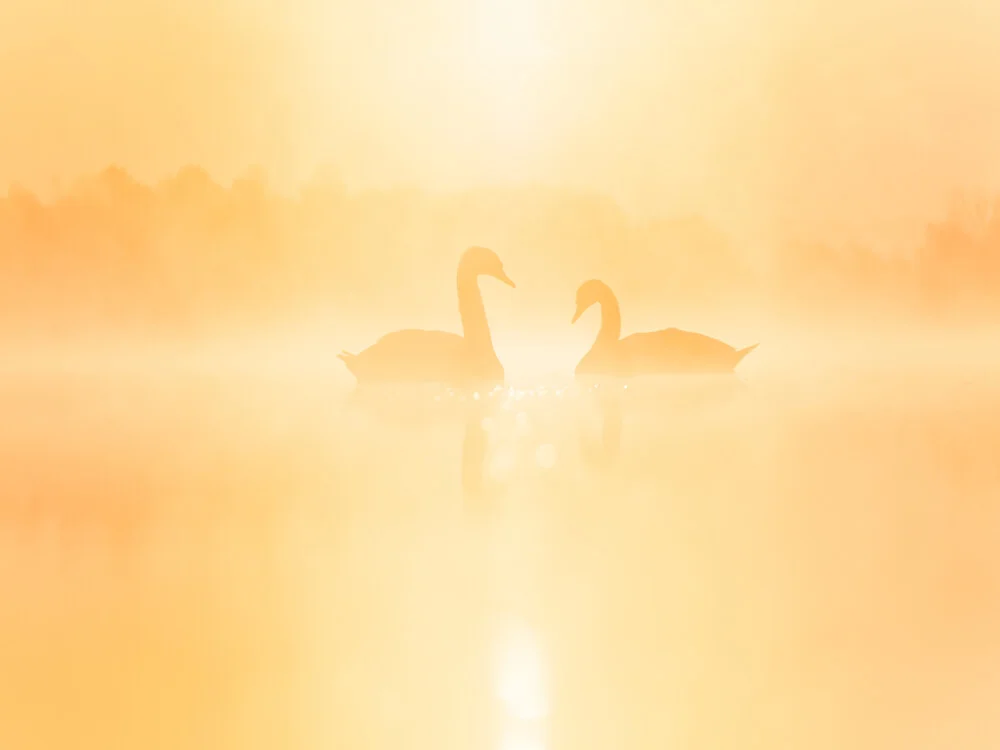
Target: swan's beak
576, 315
506, 280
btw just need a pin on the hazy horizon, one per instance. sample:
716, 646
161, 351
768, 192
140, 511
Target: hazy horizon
820, 120
220, 529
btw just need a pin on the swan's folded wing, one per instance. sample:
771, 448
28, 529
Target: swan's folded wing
674, 347
418, 342
411, 355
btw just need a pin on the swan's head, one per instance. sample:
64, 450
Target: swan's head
590, 293
480, 261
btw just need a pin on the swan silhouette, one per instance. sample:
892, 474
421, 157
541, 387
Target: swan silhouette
418, 356
668, 351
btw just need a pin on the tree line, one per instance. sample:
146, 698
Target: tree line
188, 252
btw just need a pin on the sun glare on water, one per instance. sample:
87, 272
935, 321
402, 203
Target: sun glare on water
521, 741
520, 676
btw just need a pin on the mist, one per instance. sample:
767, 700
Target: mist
255, 493
817, 121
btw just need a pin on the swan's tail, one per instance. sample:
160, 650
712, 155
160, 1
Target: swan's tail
738, 356
348, 359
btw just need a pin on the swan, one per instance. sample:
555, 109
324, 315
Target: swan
418, 356
668, 351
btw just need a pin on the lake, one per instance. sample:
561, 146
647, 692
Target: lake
230, 560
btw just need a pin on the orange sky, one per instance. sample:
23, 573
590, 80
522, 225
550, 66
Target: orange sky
777, 117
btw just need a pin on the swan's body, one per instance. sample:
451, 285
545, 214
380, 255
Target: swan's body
668, 351
418, 356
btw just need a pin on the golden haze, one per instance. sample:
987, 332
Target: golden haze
817, 119
210, 539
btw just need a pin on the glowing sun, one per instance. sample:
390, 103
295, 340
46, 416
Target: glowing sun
508, 31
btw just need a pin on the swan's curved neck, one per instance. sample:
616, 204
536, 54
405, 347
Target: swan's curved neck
475, 327
611, 320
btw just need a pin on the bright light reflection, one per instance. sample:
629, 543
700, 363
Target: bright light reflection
520, 679
521, 741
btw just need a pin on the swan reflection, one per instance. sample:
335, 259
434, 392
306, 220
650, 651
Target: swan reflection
669, 397
474, 447
516, 435
419, 407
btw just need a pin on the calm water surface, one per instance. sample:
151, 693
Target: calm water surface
272, 562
